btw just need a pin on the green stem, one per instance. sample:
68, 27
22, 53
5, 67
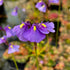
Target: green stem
15, 61
57, 29
35, 44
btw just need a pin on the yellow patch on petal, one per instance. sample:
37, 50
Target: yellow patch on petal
9, 27
34, 28
43, 24
22, 25
2, 38
43, 6
0, 0
14, 10
11, 46
40, 1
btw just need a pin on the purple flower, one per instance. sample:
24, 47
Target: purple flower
53, 1
20, 29
3, 39
9, 31
23, 9
41, 6
46, 27
13, 48
41, 62
33, 34
1, 2
15, 11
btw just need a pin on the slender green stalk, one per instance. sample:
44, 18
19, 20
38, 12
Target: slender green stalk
15, 61
35, 44
57, 29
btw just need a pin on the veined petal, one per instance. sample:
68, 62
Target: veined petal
46, 27
33, 34
19, 31
50, 24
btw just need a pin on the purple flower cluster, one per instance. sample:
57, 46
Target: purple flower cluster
41, 6
34, 33
26, 32
9, 33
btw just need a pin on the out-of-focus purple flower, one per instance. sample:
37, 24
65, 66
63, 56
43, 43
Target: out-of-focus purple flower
41, 6
23, 9
46, 27
41, 62
3, 39
1, 28
15, 11
53, 1
1, 2
9, 31
33, 34
20, 29
13, 48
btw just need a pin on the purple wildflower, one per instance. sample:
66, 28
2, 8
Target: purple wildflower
53, 1
9, 31
23, 9
3, 39
1, 2
15, 11
41, 6
33, 34
20, 29
41, 62
13, 48
46, 27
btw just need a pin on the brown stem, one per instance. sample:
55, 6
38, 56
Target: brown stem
35, 44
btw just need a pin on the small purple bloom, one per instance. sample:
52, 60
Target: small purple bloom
20, 29
33, 34
41, 62
23, 9
9, 31
3, 39
53, 1
1, 2
46, 27
41, 6
15, 11
13, 48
